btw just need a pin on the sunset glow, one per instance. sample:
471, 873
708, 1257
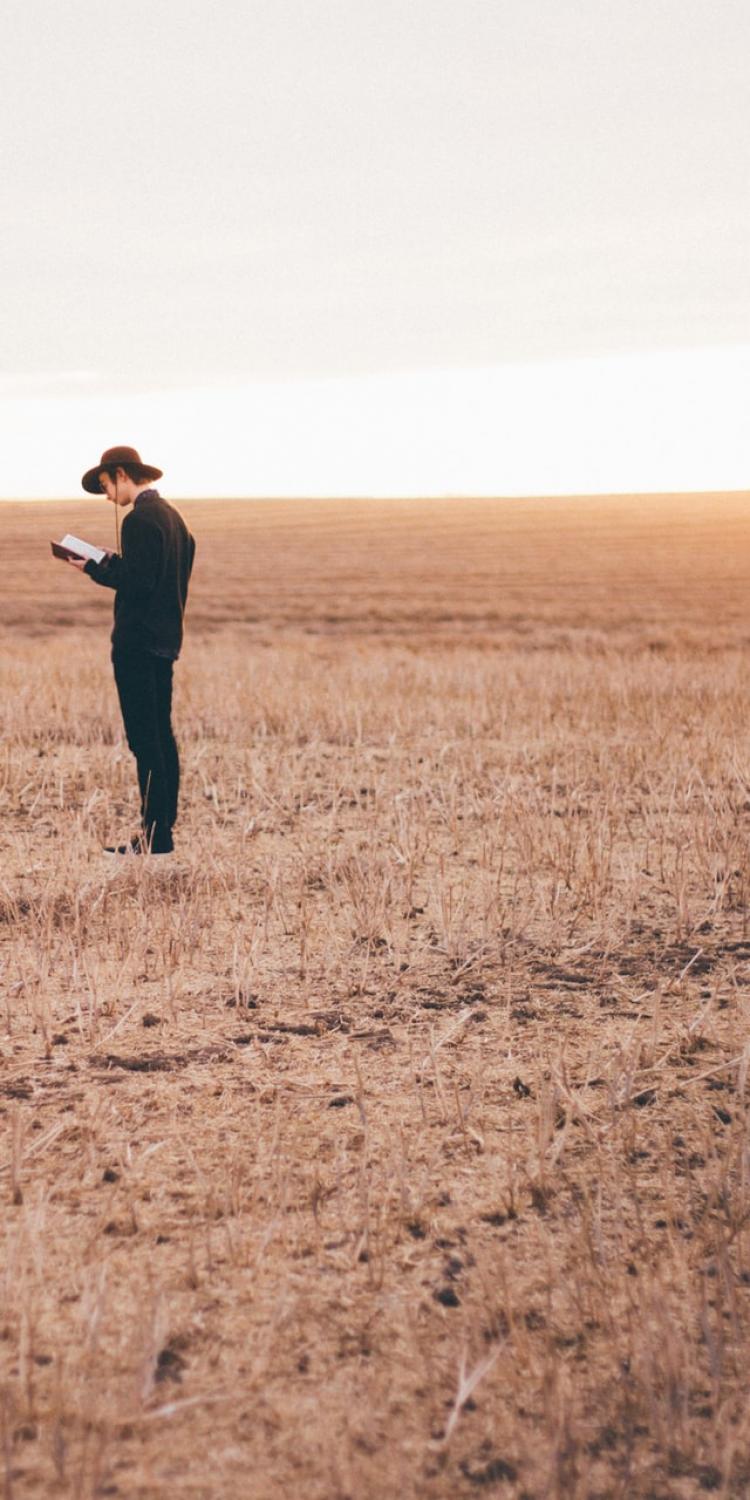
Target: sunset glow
659, 422
325, 249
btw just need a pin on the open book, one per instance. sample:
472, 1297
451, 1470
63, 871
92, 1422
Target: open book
72, 546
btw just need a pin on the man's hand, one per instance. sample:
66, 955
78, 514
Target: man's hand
77, 562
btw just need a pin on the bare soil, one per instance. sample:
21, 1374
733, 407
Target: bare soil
390, 1138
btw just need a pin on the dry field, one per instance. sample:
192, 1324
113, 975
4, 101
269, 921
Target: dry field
391, 1140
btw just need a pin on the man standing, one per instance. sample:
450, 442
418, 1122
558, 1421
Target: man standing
150, 576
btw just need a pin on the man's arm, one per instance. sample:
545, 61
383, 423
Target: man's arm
99, 571
134, 573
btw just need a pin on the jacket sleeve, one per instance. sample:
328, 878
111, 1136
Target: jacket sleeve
135, 572
103, 572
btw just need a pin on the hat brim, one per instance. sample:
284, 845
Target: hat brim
92, 485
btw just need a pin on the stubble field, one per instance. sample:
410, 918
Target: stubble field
390, 1139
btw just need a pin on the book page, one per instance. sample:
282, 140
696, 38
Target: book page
83, 549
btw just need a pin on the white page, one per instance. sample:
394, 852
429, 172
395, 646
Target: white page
84, 549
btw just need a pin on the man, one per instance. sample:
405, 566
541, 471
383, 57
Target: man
150, 577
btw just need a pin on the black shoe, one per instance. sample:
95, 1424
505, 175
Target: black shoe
137, 845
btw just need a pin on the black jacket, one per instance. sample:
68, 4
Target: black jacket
150, 578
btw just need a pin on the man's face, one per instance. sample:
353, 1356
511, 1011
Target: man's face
119, 489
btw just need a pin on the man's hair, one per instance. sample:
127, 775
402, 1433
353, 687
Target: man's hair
132, 470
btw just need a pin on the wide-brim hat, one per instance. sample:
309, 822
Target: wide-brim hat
114, 458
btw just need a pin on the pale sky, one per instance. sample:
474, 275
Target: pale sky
376, 246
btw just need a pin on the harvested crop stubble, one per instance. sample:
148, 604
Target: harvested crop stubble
393, 1137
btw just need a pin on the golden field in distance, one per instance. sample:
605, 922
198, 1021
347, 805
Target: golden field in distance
626, 567
392, 1137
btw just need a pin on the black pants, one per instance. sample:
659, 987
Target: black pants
144, 686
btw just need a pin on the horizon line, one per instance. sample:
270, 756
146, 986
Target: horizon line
454, 497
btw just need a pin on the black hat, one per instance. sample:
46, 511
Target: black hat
115, 458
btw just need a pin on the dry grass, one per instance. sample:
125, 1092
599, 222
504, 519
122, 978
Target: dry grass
393, 1138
